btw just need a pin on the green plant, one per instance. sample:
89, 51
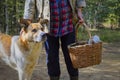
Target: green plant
106, 35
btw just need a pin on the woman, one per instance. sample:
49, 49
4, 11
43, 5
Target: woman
60, 14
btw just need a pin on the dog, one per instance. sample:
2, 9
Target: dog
22, 52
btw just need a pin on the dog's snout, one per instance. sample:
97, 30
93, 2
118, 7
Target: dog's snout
44, 37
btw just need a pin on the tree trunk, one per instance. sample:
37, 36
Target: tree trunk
119, 22
6, 18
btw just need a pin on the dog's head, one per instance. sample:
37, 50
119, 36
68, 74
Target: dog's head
33, 32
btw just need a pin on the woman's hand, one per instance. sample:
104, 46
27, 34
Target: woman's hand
80, 16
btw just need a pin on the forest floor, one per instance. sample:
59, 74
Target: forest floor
109, 69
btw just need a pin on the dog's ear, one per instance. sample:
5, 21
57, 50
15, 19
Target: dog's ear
43, 21
24, 22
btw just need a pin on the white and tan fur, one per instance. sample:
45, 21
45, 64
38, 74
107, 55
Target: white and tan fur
22, 52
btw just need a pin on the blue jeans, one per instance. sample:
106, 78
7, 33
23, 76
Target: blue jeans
52, 46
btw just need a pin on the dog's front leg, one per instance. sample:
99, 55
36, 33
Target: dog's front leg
28, 76
28, 72
21, 75
20, 69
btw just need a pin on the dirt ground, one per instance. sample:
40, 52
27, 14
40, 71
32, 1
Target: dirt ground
109, 69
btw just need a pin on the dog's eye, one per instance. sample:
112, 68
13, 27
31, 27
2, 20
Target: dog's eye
42, 28
34, 30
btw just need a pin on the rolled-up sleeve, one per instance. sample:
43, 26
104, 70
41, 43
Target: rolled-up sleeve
81, 3
29, 9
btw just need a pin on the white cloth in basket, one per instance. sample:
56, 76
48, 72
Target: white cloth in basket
95, 39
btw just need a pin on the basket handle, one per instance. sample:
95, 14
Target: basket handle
86, 27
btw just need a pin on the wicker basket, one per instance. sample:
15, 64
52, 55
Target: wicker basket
83, 54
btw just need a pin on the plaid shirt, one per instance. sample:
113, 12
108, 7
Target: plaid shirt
60, 17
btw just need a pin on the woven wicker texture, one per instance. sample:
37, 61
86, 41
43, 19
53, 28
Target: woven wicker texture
84, 54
